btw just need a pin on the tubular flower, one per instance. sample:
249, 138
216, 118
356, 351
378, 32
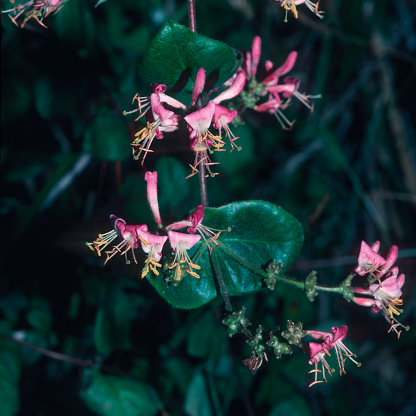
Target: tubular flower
163, 120
180, 244
194, 224
386, 296
200, 121
36, 9
331, 340
317, 352
152, 245
128, 234
290, 6
151, 179
201, 138
279, 95
371, 262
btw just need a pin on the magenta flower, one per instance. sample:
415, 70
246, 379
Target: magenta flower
200, 121
290, 6
163, 120
151, 179
194, 224
279, 95
128, 234
386, 298
180, 244
152, 245
371, 262
318, 351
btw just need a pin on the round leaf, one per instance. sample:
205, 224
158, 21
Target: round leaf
260, 232
176, 49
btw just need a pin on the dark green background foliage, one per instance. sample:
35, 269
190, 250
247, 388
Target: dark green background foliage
346, 172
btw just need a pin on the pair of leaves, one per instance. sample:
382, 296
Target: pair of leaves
260, 232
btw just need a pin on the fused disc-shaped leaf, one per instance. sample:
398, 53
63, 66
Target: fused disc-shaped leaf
176, 49
260, 232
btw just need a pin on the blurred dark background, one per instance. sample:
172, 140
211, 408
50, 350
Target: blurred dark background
347, 172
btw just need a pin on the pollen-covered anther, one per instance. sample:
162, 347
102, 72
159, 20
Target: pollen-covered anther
151, 264
181, 243
102, 241
143, 106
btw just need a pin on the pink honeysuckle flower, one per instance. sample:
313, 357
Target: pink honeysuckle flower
194, 224
200, 121
273, 75
222, 118
143, 103
369, 261
386, 298
235, 88
317, 352
180, 244
152, 245
163, 121
333, 339
128, 234
201, 138
36, 9
290, 6
279, 94
274, 106
151, 179
198, 86
289, 89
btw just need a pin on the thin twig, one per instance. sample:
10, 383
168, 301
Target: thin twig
63, 357
192, 15
221, 282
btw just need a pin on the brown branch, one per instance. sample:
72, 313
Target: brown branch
63, 357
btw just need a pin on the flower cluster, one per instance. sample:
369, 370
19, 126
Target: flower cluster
203, 115
279, 95
36, 9
318, 351
384, 296
136, 236
290, 6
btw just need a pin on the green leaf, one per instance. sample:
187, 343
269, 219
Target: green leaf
107, 137
112, 323
117, 396
197, 402
260, 232
10, 367
176, 49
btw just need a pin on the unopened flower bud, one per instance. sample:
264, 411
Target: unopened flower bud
310, 283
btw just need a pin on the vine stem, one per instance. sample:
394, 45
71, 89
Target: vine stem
288, 280
224, 293
202, 178
192, 15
